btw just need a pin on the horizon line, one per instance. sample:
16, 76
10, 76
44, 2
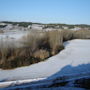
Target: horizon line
42, 22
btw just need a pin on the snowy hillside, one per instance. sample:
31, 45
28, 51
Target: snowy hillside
73, 60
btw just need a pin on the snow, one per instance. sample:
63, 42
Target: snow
13, 34
52, 88
74, 59
12, 38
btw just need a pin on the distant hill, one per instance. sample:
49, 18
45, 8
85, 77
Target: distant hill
50, 25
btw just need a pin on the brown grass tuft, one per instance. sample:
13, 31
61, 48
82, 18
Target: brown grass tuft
82, 34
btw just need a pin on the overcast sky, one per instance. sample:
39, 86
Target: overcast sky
46, 11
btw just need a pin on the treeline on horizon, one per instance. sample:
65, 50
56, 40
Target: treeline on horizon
52, 25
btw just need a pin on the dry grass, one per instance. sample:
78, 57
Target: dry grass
82, 34
41, 54
1, 31
34, 40
12, 56
6, 49
55, 41
67, 34
37, 46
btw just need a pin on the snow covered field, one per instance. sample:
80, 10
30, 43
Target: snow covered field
73, 60
13, 34
12, 38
